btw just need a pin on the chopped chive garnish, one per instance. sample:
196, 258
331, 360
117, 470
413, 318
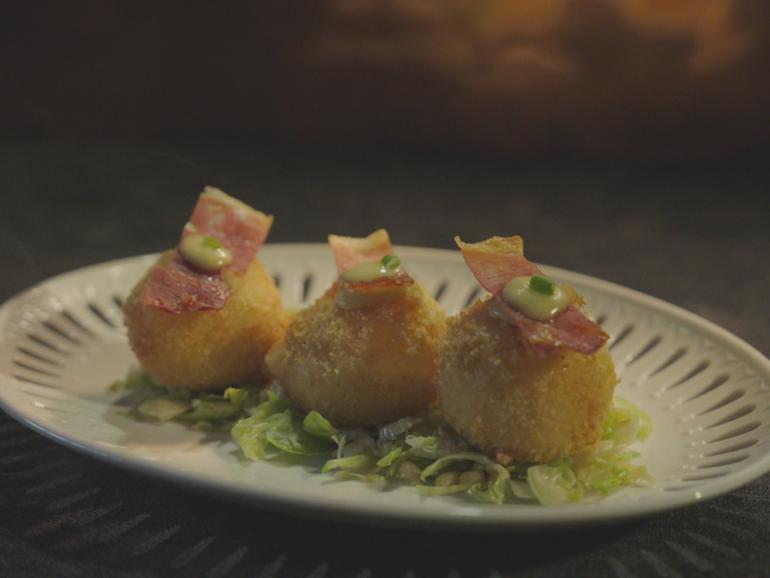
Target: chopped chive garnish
542, 285
211, 243
391, 261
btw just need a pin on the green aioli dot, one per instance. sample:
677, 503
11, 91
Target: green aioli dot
391, 262
211, 243
204, 253
520, 293
542, 285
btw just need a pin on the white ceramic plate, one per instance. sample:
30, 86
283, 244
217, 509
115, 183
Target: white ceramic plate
63, 342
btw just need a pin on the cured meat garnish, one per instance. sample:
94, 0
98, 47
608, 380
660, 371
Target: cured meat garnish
350, 251
400, 279
239, 228
174, 287
494, 263
570, 328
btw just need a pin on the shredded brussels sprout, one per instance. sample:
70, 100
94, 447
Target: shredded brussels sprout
420, 450
148, 400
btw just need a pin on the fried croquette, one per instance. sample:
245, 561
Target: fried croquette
209, 349
362, 366
513, 404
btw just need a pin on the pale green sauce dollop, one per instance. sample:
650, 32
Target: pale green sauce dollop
367, 271
532, 303
205, 253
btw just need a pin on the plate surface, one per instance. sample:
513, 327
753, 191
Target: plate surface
62, 342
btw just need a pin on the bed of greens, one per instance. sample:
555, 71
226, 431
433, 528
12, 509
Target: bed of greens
420, 451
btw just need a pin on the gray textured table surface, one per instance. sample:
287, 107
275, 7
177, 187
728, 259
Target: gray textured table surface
692, 235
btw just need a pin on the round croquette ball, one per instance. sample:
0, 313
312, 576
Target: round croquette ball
210, 349
514, 405
365, 366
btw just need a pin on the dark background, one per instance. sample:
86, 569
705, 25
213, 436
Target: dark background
627, 140
628, 78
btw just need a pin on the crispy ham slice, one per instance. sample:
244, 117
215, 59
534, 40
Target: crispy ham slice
175, 286
350, 251
239, 228
494, 263
570, 328
401, 280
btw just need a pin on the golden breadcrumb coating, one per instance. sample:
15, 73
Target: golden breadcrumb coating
514, 405
211, 349
365, 366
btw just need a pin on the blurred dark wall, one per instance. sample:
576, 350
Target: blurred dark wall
641, 77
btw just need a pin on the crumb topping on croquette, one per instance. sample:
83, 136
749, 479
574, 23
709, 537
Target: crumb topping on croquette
363, 366
505, 400
209, 350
